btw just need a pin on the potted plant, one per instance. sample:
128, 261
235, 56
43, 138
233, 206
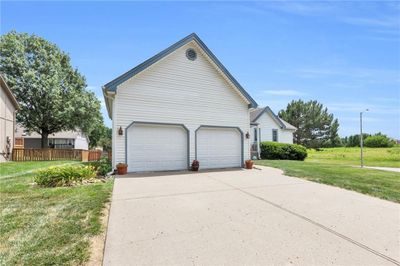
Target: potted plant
249, 164
195, 165
122, 168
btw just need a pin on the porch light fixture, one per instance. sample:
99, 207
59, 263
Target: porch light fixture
247, 135
120, 131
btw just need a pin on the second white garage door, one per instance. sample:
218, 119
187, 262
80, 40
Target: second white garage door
157, 148
219, 147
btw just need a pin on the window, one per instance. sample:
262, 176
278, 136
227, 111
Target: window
61, 143
275, 135
255, 134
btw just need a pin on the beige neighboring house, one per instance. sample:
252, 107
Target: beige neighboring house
8, 109
60, 140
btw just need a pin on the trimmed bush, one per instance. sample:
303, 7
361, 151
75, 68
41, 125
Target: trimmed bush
282, 151
378, 141
102, 166
63, 175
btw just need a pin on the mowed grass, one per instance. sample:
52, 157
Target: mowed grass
48, 226
11, 168
386, 157
381, 184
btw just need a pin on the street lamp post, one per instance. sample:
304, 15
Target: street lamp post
361, 138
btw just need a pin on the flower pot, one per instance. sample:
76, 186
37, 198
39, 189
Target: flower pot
122, 169
249, 164
195, 165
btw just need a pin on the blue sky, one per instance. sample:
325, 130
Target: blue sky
344, 54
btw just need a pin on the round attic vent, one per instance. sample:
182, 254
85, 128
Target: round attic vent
191, 54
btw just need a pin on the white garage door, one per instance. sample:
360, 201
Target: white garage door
156, 148
219, 148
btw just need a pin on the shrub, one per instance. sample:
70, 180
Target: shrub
378, 141
282, 151
102, 166
63, 175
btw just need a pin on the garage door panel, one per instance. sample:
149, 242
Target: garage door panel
219, 147
157, 148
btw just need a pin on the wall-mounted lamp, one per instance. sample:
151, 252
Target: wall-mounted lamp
247, 135
120, 131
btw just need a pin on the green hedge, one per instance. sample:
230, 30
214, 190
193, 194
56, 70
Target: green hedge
378, 141
63, 175
282, 151
102, 166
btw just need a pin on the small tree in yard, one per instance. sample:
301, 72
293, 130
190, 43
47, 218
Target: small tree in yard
51, 93
378, 141
105, 140
315, 126
354, 140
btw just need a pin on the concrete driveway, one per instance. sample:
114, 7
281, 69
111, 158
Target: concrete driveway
246, 217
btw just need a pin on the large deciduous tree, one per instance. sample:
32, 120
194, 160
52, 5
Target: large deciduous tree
316, 127
51, 93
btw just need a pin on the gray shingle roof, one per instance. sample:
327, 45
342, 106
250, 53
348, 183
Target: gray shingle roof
256, 113
287, 125
67, 134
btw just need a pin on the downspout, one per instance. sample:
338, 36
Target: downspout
258, 142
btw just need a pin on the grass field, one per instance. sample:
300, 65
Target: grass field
381, 184
12, 168
47, 226
387, 157
339, 167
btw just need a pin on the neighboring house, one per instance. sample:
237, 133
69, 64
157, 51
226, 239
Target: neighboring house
180, 105
8, 108
266, 126
60, 140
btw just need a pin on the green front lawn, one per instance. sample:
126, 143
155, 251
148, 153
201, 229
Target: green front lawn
11, 168
387, 157
48, 226
382, 184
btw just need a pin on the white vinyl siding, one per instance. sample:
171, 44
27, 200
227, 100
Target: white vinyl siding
81, 142
181, 91
267, 124
219, 147
286, 136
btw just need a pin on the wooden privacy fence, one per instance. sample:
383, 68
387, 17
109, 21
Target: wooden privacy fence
19, 143
94, 155
46, 154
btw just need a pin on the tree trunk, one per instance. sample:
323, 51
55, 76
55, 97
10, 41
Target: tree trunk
45, 142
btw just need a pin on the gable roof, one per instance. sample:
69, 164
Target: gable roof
256, 113
67, 134
8, 92
112, 85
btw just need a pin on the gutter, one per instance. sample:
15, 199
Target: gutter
109, 96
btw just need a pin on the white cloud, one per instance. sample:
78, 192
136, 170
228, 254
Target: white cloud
300, 8
388, 21
284, 92
361, 74
358, 107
